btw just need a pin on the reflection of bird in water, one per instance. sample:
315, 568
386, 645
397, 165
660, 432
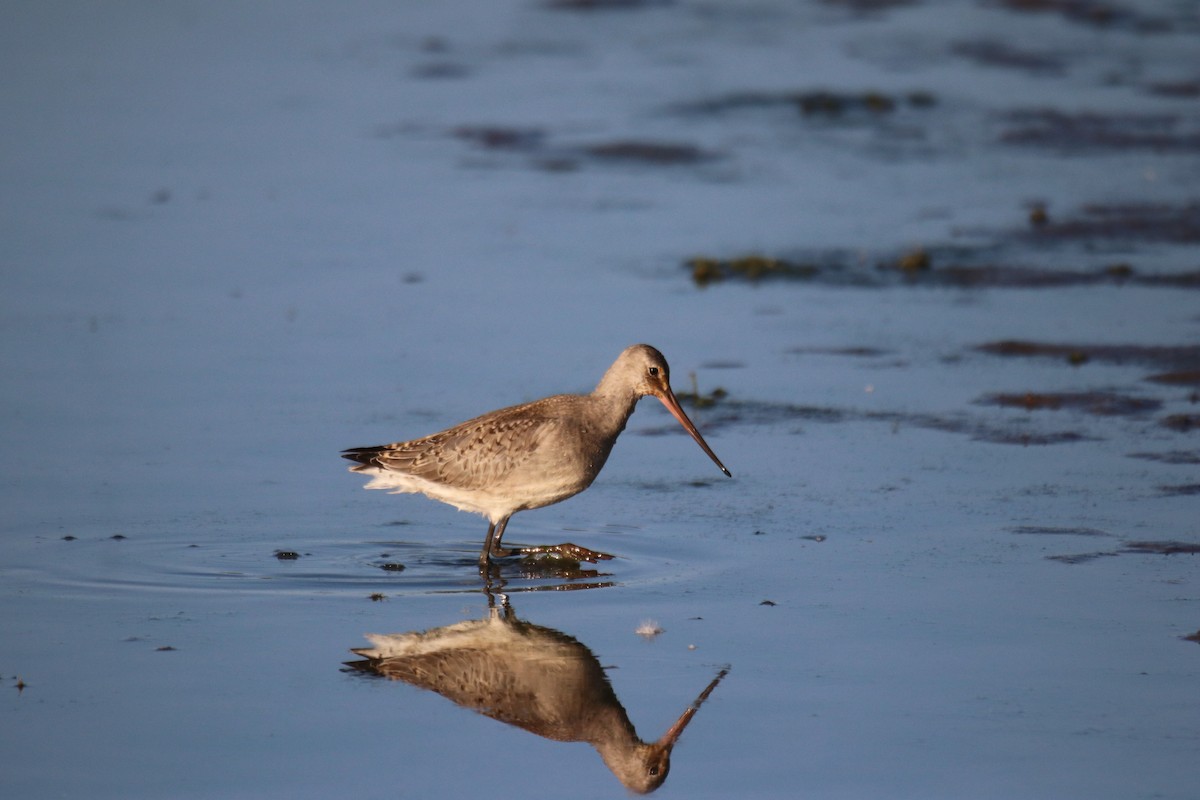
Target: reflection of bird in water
526, 456
535, 678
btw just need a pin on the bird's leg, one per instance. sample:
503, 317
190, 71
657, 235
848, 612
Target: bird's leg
491, 545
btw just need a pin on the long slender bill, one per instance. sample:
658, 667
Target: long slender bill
672, 735
668, 400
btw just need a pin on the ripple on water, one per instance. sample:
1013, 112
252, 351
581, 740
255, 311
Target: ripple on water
373, 568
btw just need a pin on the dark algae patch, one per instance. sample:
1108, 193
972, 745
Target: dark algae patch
1164, 356
1046, 530
1075, 132
725, 412
1189, 377
536, 142
943, 267
1078, 558
1166, 548
647, 152
1099, 403
1156, 222
816, 103
1171, 457
997, 53
1181, 490
1097, 13
751, 268
1182, 423
1162, 548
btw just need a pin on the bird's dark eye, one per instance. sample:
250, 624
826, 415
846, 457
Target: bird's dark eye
654, 371
653, 770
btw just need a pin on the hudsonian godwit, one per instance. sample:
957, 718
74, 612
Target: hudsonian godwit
526, 456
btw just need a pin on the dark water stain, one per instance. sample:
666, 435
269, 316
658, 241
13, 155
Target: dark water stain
646, 152
1171, 456
729, 413
1163, 356
854, 352
1097, 13
1179, 378
998, 53
535, 141
1180, 90
1155, 222
816, 103
1182, 423
1098, 403
1046, 530
869, 7
604, 5
1165, 548
1078, 558
497, 137
1181, 490
441, 70
1073, 133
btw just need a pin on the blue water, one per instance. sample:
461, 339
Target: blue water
236, 240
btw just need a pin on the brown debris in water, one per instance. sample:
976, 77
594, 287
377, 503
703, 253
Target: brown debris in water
750, 268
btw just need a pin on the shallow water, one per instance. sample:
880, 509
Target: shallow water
949, 255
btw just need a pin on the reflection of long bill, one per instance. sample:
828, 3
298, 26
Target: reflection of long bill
668, 399
672, 735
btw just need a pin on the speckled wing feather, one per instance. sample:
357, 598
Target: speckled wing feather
476, 454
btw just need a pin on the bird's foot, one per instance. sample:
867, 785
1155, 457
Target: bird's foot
565, 550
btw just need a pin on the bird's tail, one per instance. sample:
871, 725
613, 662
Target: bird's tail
365, 456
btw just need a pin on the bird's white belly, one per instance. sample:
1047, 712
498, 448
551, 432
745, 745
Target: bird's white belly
493, 502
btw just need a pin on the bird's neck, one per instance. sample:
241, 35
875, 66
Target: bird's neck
616, 404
